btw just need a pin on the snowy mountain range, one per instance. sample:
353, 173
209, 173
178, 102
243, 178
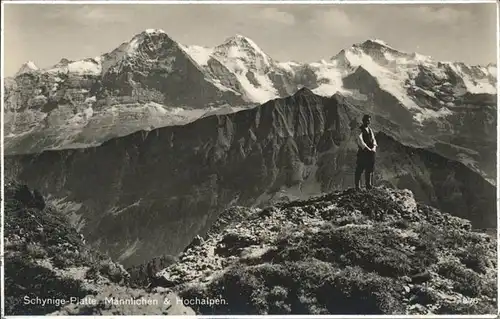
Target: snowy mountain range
239, 66
153, 81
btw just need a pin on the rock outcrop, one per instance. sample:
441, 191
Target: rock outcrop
348, 252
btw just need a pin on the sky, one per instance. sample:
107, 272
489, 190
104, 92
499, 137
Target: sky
45, 33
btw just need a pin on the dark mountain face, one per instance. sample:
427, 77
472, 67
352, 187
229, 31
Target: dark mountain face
160, 70
149, 193
381, 102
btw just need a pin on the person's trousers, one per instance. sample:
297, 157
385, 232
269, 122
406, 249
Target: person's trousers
365, 162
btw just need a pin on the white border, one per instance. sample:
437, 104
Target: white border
2, 168
274, 2
498, 161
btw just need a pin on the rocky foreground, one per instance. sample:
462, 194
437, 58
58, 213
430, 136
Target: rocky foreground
376, 252
50, 270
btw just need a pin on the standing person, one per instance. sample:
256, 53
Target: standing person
367, 146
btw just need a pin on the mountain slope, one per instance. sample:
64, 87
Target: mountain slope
149, 193
153, 81
50, 270
347, 252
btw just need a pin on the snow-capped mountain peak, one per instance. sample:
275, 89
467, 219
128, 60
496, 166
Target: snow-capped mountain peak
28, 66
373, 51
145, 49
248, 63
150, 39
241, 41
242, 48
378, 49
376, 43
237, 47
89, 66
154, 31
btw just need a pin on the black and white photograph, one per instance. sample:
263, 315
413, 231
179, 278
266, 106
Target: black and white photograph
249, 158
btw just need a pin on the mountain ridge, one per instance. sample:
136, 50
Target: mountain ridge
235, 46
283, 150
236, 37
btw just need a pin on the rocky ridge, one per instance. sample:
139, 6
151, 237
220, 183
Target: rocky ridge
377, 252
